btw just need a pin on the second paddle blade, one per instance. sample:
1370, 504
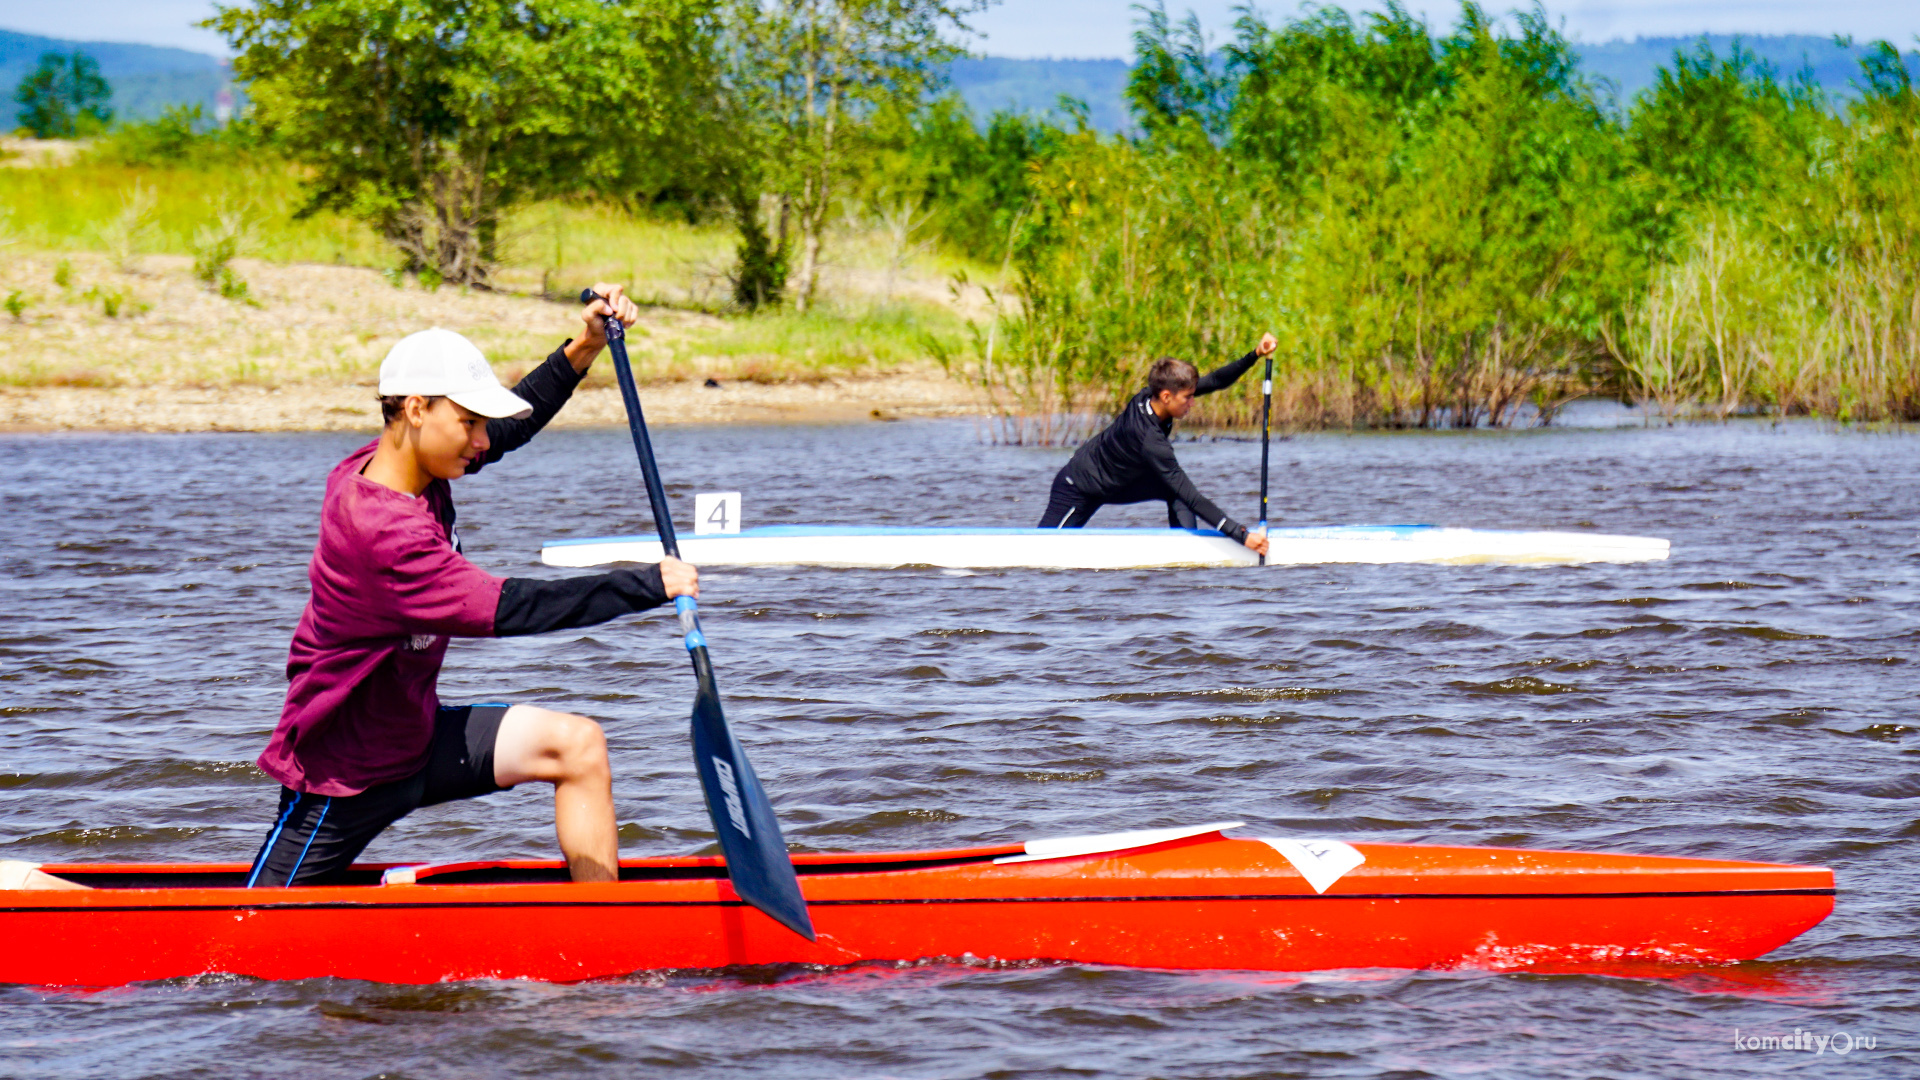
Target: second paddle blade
757, 859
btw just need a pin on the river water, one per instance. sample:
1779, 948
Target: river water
1750, 698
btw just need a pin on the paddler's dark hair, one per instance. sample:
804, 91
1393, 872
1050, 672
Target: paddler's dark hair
1169, 373
392, 405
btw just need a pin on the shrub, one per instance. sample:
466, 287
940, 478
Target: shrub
214, 246
128, 231
183, 135
115, 301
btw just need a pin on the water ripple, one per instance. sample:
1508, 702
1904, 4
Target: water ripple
1749, 698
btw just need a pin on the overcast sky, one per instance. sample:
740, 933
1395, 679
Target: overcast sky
1096, 28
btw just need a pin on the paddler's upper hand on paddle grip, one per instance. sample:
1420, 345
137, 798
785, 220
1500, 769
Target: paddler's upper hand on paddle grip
679, 578
1256, 542
1268, 343
608, 299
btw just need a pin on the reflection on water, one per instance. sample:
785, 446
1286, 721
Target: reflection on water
1752, 698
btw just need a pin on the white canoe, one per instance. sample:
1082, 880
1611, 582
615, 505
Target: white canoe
885, 548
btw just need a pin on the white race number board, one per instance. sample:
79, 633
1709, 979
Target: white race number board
716, 512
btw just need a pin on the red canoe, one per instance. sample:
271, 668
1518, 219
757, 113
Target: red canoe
1169, 898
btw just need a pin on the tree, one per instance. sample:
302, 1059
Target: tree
431, 118
795, 83
64, 98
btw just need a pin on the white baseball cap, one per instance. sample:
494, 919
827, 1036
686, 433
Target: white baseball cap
441, 363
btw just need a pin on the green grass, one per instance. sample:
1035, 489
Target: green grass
80, 207
782, 345
560, 247
882, 304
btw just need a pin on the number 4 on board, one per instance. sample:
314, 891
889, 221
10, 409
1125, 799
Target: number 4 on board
716, 512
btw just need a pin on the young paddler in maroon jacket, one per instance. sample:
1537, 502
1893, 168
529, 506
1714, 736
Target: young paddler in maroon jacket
364, 738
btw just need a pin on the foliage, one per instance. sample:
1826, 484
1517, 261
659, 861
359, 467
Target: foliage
1443, 227
782, 122
113, 301
214, 247
79, 207
64, 98
127, 233
1428, 225
1457, 230
1715, 130
969, 186
431, 118
1797, 288
183, 136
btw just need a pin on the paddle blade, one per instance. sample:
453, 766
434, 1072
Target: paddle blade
757, 859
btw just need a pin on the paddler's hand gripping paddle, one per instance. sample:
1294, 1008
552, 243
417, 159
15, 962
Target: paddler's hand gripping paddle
757, 860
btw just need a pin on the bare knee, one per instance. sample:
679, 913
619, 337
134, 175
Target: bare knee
541, 744
580, 745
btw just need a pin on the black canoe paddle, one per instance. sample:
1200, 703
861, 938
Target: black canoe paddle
757, 860
1266, 414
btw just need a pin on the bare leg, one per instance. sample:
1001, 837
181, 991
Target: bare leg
569, 752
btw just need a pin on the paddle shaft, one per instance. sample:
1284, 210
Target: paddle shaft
1266, 413
642, 445
757, 860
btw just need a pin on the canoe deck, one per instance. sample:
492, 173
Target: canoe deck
1175, 899
888, 548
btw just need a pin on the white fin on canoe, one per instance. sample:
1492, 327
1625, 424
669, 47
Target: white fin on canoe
1066, 846
15, 874
1321, 862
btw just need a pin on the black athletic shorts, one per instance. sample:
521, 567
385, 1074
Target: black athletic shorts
315, 838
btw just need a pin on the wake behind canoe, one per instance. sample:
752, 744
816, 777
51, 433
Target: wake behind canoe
1176, 898
886, 548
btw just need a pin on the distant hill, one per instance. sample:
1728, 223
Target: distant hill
145, 79
989, 84
1631, 66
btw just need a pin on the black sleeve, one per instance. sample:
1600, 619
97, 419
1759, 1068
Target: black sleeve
1219, 378
546, 388
1159, 455
533, 606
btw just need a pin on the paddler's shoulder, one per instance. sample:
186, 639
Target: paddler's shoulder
362, 511
353, 463
1140, 413
347, 484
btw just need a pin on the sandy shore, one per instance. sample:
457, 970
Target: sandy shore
304, 357
308, 407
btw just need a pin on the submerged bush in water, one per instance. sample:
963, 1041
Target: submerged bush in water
1456, 231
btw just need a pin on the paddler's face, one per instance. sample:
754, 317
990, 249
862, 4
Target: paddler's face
1175, 403
447, 437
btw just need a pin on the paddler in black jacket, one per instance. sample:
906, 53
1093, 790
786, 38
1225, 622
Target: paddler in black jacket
1132, 460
